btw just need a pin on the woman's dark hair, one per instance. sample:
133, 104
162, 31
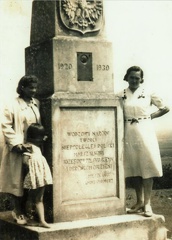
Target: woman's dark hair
26, 81
35, 131
135, 69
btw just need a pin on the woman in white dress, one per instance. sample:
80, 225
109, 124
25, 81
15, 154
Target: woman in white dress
16, 118
141, 151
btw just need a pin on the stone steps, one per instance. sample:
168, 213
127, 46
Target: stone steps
121, 227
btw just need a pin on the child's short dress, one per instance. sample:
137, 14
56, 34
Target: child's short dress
141, 149
39, 173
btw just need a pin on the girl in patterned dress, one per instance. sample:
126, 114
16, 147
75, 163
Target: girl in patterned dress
142, 159
38, 175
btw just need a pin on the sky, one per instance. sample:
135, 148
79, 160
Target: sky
140, 31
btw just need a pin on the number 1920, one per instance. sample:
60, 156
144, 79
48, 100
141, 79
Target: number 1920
64, 66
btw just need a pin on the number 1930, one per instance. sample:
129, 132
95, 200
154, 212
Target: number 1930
102, 67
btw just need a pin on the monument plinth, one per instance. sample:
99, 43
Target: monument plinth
73, 61
86, 156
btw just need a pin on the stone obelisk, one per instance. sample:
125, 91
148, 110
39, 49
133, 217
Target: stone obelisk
70, 55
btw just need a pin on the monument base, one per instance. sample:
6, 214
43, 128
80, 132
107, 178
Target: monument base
123, 227
84, 150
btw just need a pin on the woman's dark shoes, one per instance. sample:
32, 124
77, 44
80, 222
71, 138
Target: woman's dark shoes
136, 209
148, 211
20, 219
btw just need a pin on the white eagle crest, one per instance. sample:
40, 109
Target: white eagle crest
82, 13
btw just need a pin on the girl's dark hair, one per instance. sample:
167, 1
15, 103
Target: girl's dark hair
26, 81
35, 131
136, 69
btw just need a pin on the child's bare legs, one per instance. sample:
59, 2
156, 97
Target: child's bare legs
40, 207
37, 195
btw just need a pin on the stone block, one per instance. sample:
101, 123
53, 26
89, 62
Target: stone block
86, 66
123, 227
86, 155
48, 22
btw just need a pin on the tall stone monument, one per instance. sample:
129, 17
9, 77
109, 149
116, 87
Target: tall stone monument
73, 60
70, 55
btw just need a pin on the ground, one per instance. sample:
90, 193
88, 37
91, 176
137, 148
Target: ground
161, 204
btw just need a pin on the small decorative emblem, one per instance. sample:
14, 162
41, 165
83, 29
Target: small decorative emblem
142, 94
82, 15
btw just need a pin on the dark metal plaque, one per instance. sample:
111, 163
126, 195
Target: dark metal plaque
84, 66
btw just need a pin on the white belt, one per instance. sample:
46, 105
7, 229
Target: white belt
136, 120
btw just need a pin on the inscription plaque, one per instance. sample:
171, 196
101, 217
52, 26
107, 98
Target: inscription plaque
88, 153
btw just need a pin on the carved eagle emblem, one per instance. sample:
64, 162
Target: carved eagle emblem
82, 15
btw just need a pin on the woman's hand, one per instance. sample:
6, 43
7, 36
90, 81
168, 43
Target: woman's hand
27, 147
17, 148
21, 148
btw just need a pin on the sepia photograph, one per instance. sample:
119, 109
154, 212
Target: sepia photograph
86, 119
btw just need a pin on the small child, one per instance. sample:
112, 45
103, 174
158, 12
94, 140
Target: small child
38, 175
